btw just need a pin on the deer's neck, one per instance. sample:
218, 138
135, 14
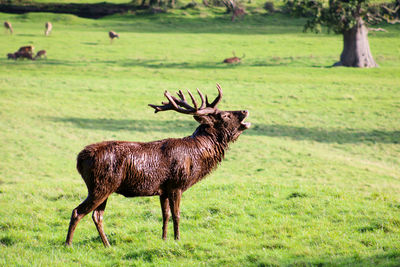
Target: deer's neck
211, 144
196, 156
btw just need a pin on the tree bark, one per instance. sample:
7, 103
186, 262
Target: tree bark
356, 51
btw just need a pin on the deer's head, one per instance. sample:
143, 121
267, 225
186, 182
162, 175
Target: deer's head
226, 124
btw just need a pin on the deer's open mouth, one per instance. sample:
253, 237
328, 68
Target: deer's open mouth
245, 125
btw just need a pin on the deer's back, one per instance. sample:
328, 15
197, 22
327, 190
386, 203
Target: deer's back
146, 169
232, 60
128, 168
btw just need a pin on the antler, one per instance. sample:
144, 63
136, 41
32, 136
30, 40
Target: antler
182, 106
217, 99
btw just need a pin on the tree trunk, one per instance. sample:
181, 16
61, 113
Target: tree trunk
356, 51
154, 3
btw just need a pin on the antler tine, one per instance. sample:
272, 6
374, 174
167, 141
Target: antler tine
181, 95
193, 100
182, 102
217, 99
165, 106
171, 100
176, 103
156, 108
202, 98
171, 105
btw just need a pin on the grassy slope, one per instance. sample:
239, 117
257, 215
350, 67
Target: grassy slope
316, 179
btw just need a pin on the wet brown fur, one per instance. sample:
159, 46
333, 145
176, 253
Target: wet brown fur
164, 168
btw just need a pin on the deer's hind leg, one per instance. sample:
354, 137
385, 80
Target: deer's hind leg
89, 204
97, 217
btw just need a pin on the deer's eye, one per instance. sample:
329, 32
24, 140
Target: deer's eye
226, 116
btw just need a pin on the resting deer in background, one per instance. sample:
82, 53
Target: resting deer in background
48, 27
234, 59
113, 35
11, 56
8, 26
24, 54
164, 168
26, 49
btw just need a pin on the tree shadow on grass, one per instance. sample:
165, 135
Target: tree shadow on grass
129, 63
28, 34
146, 63
167, 64
89, 43
341, 136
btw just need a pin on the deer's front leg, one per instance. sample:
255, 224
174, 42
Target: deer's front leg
165, 214
174, 202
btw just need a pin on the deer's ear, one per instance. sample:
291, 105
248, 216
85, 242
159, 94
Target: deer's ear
204, 120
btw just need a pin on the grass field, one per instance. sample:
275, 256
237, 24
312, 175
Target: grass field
315, 181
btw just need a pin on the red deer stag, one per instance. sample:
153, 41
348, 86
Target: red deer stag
164, 168
8, 26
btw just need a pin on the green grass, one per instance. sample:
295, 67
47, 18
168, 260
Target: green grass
315, 181
79, 1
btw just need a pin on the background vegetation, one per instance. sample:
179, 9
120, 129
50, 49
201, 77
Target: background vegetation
315, 181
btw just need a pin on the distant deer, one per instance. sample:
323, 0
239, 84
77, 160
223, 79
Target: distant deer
234, 59
40, 54
24, 54
48, 27
233, 6
238, 12
113, 35
11, 56
164, 168
8, 26
26, 49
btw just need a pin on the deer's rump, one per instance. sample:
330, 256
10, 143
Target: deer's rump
122, 167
